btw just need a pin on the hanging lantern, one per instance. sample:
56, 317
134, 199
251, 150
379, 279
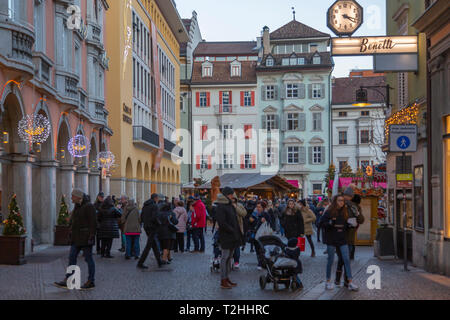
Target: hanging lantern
105, 159
34, 128
79, 146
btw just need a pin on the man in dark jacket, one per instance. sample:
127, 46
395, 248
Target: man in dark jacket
230, 236
149, 218
83, 224
97, 204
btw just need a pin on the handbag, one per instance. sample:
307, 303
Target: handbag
301, 243
172, 227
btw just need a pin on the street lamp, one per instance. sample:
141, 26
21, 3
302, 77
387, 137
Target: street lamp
362, 97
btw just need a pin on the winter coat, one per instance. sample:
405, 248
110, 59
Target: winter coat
83, 224
109, 228
164, 233
149, 216
293, 225
241, 213
199, 217
273, 217
335, 230
131, 220
308, 219
230, 236
182, 218
354, 211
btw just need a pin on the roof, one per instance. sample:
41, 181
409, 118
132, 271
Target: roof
344, 89
226, 48
187, 24
249, 180
222, 73
325, 60
296, 30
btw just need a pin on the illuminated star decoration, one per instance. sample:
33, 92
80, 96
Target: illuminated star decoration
34, 128
105, 159
128, 32
79, 146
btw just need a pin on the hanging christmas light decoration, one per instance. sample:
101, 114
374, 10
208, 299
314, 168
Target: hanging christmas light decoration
79, 146
105, 159
34, 128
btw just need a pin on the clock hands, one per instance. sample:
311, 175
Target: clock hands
346, 16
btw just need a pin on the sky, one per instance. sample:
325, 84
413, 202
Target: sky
243, 20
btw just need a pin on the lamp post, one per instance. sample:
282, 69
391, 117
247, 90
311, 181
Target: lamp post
362, 99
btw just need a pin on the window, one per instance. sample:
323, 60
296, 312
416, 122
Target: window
317, 121
207, 71
317, 155
342, 137
270, 92
270, 122
285, 61
301, 61
364, 136
227, 161
293, 61
269, 156
226, 131
342, 114
202, 99
292, 90
317, 90
226, 98
204, 162
316, 60
269, 62
248, 161
293, 155
235, 71
317, 188
292, 121
247, 99
365, 113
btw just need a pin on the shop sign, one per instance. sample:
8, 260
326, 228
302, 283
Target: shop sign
405, 177
404, 184
363, 46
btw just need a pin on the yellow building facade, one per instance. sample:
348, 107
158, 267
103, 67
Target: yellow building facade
143, 87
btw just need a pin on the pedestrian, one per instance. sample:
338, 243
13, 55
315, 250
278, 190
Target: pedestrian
308, 219
190, 213
149, 218
241, 213
167, 231
131, 221
109, 227
182, 218
276, 210
335, 219
259, 217
292, 221
319, 212
97, 204
198, 224
272, 214
229, 234
122, 205
83, 223
355, 212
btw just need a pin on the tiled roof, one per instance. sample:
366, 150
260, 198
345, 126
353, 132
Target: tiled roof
325, 60
296, 30
183, 45
344, 89
187, 24
226, 48
222, 73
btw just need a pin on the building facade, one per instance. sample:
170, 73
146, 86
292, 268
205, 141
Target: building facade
358, 131
294, 103
224, 110
435, 243
144, 89
187, 63
50, 67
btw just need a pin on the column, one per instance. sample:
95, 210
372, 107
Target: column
94, 184
48, 201
22, 186
106, 185
140, 192
66, 183
117, 186
147, 190
82, 179
131, 188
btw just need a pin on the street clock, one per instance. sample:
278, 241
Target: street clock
345, 17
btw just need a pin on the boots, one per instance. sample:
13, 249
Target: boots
231, 283
224, 284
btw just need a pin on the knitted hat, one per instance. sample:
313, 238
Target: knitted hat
227, 191
349, 192
78, 193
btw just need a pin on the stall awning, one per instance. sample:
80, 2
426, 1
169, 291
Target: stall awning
294, 183
248, 180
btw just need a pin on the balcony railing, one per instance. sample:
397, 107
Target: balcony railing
144, 135
225, 109
71, 87
22, 46
171, 147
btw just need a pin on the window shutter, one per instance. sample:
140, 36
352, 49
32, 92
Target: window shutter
209, 162
301, 91
264, 123
253, 98
310, 96
248, 131
310, 155
322, 91
220, 97
197, 99
275, 92
277, 122
208, 99
242, 161
231, 97
323, 155
283, 122
253, 161
242, 98
197, 162
302, 121
302, 155
204, 131
285, 155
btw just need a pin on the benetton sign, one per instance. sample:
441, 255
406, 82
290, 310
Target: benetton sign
373, 45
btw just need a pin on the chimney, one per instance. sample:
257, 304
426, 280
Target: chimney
266, 40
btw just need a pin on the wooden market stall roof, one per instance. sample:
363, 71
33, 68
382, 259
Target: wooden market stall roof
251, 181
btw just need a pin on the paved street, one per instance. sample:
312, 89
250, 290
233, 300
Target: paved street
189, 277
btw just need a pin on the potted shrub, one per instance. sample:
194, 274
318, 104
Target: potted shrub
62, 229
12, 241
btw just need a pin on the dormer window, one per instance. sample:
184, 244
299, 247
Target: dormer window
285, 62
235, 69
207, 69
301, 61
269, 62
316, 59
293, 60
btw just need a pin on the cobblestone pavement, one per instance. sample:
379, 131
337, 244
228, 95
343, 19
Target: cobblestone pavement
189, 277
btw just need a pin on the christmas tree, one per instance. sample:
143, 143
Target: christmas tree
14, 223
330, 174
63, 216
346, 171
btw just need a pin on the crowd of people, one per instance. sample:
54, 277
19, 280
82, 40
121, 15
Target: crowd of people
235, 224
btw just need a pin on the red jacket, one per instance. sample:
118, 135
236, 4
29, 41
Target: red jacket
199, 215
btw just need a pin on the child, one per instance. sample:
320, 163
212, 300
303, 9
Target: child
293, 252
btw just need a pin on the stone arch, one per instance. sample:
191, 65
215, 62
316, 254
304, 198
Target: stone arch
12, 113
129, 169
93, 152
62, 154
146, 172
47, 150
130, 183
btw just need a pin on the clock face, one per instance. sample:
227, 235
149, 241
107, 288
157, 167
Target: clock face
345, 17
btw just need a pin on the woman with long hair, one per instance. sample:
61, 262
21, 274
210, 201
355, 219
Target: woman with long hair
335, 222
308, 218
292, 221
109, 227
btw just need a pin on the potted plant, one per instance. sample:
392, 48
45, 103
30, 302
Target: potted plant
12, 241
62, 229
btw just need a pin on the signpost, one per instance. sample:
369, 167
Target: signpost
363, 46
403, 138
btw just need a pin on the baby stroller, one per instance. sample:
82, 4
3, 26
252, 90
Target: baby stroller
280, 268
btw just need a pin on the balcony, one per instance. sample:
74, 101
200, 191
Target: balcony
225, 109
71, 89
171, 147
145, 138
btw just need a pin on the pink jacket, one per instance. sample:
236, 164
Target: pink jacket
199, 216
182, 218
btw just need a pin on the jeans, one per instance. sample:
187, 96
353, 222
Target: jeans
225, 262
199, 239
189, 235
132, 240
340, 265
87, 253
179, 243
311, 243
151, 244
351, 248
106, 246
237, 255
345, 257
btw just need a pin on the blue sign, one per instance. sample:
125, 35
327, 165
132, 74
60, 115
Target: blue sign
403, 142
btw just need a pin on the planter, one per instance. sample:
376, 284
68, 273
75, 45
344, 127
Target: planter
12, 250
385, 242
62, 236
